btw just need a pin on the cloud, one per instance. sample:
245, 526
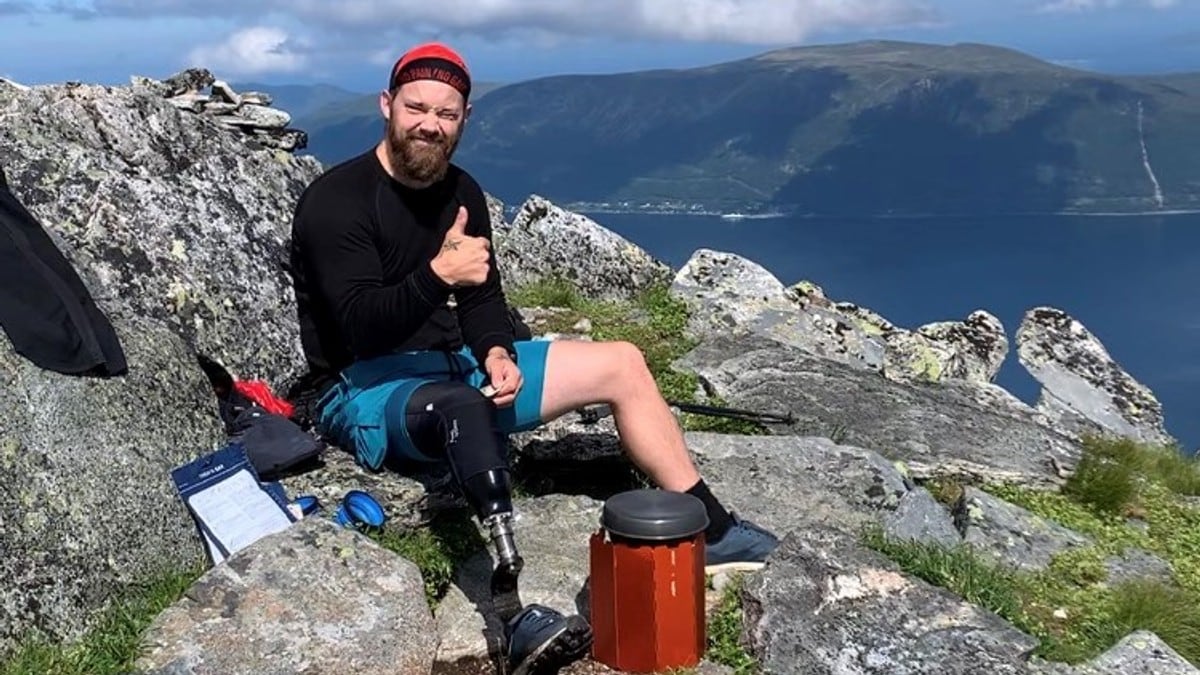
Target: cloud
251, 51
1062, 6
739, 21
10, 7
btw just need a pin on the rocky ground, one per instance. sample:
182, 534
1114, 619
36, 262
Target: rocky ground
177, 218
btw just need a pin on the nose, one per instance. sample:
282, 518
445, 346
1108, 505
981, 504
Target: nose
429, 124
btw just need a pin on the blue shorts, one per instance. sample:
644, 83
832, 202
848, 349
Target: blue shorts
353, 413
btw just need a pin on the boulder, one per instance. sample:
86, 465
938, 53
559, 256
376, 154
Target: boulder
728, 294
545, 241
825, 604
1083, 388
177, 227
312, 598
935, 429
1009, 534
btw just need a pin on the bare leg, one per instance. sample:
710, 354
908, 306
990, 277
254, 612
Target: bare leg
581, 373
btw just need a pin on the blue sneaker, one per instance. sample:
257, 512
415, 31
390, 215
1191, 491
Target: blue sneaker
541, 641
744, 548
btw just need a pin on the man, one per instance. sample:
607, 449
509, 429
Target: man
379, 245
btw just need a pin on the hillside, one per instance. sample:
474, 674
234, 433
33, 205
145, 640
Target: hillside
861, 128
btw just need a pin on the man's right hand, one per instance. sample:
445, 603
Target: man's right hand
463, 260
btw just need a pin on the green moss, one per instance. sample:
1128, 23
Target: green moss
724, 631
113, 644
1122, 495
437, 549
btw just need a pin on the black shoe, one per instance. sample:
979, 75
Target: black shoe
541, 641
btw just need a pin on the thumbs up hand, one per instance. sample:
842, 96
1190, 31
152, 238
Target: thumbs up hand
463, 260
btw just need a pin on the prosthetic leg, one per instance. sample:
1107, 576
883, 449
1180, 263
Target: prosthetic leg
490, 494
458, 422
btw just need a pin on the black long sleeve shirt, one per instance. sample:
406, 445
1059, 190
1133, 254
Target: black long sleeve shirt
360, 261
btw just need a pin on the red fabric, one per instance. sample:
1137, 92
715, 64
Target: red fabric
435, 50
259, 392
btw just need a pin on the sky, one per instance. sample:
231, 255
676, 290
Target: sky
352, 43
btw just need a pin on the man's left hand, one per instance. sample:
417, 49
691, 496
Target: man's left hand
504, 376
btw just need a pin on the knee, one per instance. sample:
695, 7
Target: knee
628, 360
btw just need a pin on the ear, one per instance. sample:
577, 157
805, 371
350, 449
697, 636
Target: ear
385, 105
467, 113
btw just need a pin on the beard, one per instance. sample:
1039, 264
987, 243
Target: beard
423, 158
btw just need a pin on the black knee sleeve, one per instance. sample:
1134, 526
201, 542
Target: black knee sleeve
455, 420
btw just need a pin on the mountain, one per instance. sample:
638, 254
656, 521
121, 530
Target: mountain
867, 128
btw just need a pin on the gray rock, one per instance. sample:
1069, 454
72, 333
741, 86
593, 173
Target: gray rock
545, 240
1139, 653
935, 429
1010, 534
1082, 386
785, 482
824, 604
1134, 564
552, 536
258, 116
970, 350
87, 506
190, 80
920, 518
313, 598
730, 294
182, 258
222, 90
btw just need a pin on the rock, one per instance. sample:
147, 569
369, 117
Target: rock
222, 90
797, 481
250, 113
978, 343
935, 429
552, 535
728, 293
1139, 653
313, 598
188, 81
1134, 564
14, 84
1009, 534
86, 502
1082, 386
920, 518
256, 117
824, 604
972, 350
546, 241
183, 257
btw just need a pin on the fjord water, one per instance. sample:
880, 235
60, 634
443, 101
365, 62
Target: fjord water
1134, 281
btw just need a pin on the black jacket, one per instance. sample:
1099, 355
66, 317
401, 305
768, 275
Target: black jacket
45, 309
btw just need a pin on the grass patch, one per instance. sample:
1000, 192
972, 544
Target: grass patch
654, 321
112, 645
724, 631
1123, 495
436, 549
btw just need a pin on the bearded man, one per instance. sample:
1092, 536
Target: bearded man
380, 243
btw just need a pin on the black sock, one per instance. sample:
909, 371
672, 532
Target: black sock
719, 520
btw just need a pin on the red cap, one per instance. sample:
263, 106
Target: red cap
432, 61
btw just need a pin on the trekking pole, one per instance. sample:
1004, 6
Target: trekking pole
596, 413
